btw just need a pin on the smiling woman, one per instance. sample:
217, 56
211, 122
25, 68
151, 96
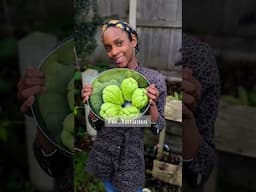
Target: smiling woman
117, 155
119, 48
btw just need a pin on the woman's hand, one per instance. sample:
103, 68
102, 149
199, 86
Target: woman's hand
192, 89
153, 94
86, 92
191, 93
31, 84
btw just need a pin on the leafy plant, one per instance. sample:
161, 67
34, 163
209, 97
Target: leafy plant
83, 182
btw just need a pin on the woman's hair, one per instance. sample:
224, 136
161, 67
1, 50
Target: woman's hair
125, 27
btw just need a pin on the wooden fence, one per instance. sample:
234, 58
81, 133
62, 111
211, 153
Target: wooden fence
159, 27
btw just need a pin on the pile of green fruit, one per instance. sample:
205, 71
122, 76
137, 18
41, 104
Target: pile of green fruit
119, 93
116, 98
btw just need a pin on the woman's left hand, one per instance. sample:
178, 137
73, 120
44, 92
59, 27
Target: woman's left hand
192, 89
153, 94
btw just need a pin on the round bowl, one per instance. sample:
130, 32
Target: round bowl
51, 107
115, 75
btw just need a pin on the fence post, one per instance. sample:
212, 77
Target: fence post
32, 49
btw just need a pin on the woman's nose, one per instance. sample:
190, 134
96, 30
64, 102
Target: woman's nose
114, 51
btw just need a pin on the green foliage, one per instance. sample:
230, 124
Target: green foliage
8, 47
86, 27
252, 96
175, 96
71, 94
98, 86
67, 134
5, 86
4, 130
83, 182
244, 97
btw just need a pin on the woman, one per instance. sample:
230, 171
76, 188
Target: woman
201, 92
117, 156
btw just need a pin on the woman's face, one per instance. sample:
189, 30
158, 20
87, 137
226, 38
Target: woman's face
119, 47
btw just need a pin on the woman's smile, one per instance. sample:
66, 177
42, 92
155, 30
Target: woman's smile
119, 47
118, 60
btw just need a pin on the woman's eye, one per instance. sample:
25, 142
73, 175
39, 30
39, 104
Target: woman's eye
107, 49
119, 43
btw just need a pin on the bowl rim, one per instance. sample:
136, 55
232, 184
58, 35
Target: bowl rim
34, 109
117, 68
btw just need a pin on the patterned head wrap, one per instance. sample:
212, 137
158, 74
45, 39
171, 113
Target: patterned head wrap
125, 27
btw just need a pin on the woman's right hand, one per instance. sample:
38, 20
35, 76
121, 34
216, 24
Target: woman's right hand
192, 89
86, 92
31, 84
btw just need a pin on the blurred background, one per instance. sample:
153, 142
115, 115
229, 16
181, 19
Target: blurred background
23, 24
31, 29
229, 27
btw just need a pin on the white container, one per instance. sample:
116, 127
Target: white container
87, 77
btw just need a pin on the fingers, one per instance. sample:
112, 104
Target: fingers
187, 73
26, 93
190, 84
27, 104
152, 93
86, 92
29, 82
152, 102
32, 77
92, 116
186, 112
188, 87
192, 89
189, 101
33, 72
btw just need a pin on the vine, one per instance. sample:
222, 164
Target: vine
86, 22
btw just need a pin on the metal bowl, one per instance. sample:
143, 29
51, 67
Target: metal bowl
50, 108
115, 75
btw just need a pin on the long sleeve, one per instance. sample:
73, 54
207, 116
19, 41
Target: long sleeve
200, 58
154, 77
58, 166
160, 124
53, 164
